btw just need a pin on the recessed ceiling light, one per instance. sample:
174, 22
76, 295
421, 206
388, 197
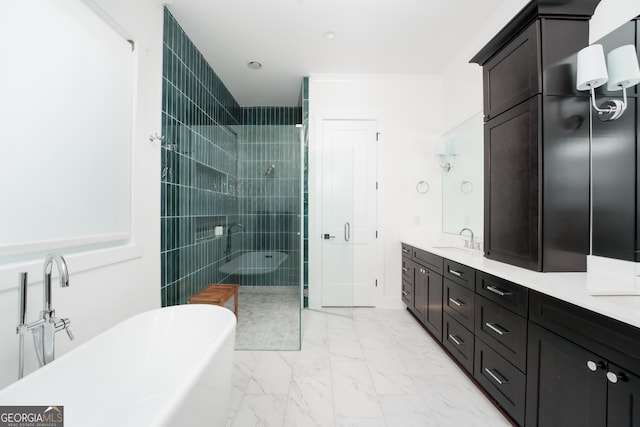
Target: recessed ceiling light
329, 35
254, 65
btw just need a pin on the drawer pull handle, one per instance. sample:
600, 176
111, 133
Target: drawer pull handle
405, 269
456, 340
456, 273
496, 376
456, 302
406, 251
496, 328
405, 293
498, 291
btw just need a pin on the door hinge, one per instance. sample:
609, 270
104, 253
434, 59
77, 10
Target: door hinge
376, 234
376, 283
376, 185
377, 136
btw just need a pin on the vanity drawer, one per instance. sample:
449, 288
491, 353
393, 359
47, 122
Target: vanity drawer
459, 341
407, 269
460, 273
407, 250
458, 303
427, 259
407, 293
507, 294
503, 330
503, 381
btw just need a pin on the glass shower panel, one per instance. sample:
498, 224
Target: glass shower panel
270, 260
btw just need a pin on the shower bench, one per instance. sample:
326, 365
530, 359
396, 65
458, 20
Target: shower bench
217, 294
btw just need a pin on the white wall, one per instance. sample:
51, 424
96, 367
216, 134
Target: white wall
409, 122
98, 298
609, 15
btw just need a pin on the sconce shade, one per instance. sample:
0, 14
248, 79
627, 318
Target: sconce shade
442, 147
623, 67
592, 69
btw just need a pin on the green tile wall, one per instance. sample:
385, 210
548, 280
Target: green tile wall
305, 121
214, 158
269, 170
199, 175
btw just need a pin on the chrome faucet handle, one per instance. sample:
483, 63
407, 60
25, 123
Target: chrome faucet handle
64, 324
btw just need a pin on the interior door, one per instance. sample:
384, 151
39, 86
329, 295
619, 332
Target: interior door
349, 213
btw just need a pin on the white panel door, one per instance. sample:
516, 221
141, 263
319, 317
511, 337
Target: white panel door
349, 213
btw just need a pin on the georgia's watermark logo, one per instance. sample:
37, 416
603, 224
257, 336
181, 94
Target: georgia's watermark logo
31, 416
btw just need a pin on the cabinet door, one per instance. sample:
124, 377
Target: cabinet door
420, 292
433, 319
428, 300
512, 186
513, 74
624, 398
566, 385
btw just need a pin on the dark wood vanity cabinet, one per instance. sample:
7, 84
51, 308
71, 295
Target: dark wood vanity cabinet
537, 141
544, 361
581, 368
422, 287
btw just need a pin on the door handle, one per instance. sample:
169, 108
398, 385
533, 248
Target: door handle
347, 232
328, 236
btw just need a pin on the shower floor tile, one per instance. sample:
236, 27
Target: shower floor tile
268, 318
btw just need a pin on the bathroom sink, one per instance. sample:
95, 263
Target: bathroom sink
454, 248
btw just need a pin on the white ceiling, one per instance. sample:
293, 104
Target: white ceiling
287, 37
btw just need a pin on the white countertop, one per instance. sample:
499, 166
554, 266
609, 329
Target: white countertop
569, 287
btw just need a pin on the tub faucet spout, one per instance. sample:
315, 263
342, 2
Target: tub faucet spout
46, 326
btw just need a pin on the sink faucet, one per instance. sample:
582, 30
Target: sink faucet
45, 328
470, 243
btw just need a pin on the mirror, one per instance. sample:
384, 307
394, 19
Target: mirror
463, 184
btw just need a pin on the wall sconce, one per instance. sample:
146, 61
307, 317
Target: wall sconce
592, 73
447, 150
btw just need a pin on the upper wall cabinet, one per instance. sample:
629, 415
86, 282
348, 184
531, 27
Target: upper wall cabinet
537, 139
615, 166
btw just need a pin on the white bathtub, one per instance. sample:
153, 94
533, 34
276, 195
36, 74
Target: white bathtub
254, 263
165, 367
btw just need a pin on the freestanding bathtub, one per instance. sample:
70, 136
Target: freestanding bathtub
166, 367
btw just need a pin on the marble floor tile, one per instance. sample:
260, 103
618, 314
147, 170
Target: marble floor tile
359, 367
272, 375
353, 390
310, 403
407, 411
263, 410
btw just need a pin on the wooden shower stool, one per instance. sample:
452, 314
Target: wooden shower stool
217, 294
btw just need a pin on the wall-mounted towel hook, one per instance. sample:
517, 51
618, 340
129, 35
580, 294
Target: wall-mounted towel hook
156, 137
422, 187
466, 187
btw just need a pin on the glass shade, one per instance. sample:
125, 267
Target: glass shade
623, 67
592, 69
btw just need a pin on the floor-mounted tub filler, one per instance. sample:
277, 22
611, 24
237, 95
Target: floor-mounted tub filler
166, 367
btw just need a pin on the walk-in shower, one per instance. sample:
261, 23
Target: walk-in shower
232, 194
